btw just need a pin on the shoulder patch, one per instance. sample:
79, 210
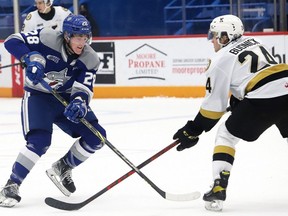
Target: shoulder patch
65, 9
28, 17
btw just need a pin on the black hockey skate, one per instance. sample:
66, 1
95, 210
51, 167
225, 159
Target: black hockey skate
215, 197
9, 195
61, 176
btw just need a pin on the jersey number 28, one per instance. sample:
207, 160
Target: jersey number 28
32, 37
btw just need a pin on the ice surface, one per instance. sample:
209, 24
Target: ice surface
139, 128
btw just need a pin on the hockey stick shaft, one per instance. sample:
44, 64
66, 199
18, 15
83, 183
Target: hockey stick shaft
104, 140
75, 206
174, 197
11, 65
138, 167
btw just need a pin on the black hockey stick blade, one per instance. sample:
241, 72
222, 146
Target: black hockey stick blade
76, 206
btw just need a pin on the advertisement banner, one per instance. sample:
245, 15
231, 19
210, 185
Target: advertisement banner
146, 66
106, 53
17, 78
162, 62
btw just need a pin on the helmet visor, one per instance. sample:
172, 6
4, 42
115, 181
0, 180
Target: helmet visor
211, 35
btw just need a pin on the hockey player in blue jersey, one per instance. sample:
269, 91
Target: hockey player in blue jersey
65, 60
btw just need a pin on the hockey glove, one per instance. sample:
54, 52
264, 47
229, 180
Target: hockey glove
187, 135
35, 64
76, 110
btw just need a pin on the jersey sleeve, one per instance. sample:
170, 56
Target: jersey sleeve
88, 65
215, 102
83, 85
19, 44
217, 90
28, 24
81, 90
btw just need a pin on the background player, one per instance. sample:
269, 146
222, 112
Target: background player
68, 64
46, 15
244, 67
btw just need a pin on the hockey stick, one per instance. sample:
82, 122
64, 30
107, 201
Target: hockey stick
76, 206
11, 65
165, 195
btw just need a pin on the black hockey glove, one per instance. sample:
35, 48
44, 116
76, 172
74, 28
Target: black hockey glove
187, 135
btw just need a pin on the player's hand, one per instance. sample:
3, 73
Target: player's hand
186, 136
35, 64
76, 110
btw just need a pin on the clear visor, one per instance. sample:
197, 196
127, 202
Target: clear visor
211, 35
82, 38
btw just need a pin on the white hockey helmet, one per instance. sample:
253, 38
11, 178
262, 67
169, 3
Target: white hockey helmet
48, 3
229, 25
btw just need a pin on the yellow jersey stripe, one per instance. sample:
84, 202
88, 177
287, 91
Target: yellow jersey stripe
265, 73
211, 114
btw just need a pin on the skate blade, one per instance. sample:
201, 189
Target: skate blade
216, 205
53, 176
7, 202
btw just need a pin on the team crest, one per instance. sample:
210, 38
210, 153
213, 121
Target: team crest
28, 17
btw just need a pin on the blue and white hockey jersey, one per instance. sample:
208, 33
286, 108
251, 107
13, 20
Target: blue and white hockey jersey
71, 74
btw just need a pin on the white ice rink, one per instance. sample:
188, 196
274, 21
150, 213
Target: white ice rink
139, 128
